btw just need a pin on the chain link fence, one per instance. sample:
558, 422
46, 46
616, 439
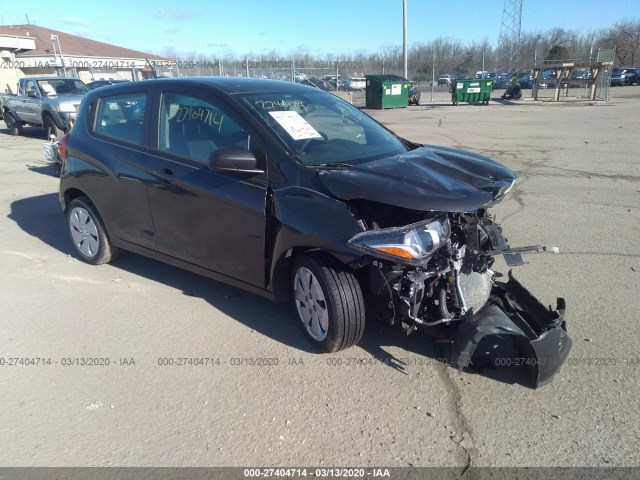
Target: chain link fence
328, 75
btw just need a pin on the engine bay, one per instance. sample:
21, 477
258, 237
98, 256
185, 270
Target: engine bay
451, 292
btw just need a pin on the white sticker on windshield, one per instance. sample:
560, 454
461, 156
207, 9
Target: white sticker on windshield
48, 89
295, 125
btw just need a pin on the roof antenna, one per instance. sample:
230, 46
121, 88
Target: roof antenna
28, 22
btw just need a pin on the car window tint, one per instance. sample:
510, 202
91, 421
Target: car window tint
121, 117
194, 128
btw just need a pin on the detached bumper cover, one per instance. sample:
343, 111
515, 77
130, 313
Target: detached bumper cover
539, 333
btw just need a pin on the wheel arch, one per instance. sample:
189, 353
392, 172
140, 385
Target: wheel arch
281, 272
282, 269
8, 109
48, 110
72, 193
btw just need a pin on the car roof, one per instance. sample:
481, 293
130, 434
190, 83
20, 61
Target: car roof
50, 78
228, 85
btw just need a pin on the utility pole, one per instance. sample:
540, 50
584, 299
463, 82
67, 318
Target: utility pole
405, 49
509, 43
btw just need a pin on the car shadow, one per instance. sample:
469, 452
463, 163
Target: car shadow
505, 101
43, 168
40, 217
29, 132
273, 320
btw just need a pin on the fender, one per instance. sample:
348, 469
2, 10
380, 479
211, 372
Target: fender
60, 122
7, 108
294, 210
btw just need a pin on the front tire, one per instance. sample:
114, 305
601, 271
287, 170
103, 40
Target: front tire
50, 128
88, 234
328, 301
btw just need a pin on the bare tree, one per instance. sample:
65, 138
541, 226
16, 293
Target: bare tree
447, 55
624, 36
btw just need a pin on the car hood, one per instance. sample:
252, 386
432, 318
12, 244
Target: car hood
65, 98
429, 178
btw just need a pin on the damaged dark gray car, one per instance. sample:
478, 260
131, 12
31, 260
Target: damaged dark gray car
293, 194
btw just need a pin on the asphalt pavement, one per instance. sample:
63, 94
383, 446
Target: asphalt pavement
138, 363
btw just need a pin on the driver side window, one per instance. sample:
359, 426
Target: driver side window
193, 128
30, 87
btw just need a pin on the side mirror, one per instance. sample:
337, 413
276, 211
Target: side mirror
234, 159
32, 94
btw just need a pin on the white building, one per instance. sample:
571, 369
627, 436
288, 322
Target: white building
30, 50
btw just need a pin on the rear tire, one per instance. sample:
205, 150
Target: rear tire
15, 127
328, 301
88, 233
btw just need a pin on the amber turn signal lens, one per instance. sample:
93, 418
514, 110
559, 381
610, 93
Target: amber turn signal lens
396, 251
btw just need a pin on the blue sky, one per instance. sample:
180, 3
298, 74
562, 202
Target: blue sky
318, 27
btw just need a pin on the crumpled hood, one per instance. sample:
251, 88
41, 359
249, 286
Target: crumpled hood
430, 178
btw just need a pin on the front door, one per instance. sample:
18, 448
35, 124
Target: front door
28, 107
213, 219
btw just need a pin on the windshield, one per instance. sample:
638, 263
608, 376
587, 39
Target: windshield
67, 86
320, 129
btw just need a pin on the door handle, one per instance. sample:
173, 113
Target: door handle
165, 174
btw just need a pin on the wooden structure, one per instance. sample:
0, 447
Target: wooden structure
562, 76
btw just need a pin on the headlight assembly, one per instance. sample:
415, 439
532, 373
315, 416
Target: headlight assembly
413, 244
66, 108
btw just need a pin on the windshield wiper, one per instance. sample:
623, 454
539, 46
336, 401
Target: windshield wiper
330, 166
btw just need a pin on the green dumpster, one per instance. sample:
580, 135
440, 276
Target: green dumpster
471, 90
387, 91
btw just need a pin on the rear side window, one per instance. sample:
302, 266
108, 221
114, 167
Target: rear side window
121, 117
193, 128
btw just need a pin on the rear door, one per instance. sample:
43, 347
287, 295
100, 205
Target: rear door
114, 161
213, 219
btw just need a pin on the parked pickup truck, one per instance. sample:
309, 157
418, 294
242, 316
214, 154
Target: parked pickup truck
2, 99
47, 101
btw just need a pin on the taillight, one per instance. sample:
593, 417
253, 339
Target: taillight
62, 147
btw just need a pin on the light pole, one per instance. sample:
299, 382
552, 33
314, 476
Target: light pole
404, 39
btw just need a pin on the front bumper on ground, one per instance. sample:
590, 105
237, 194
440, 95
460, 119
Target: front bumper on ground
539, 333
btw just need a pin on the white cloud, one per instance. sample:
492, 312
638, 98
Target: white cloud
80, 22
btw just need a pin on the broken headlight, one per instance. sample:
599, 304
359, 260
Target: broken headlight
413, 244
